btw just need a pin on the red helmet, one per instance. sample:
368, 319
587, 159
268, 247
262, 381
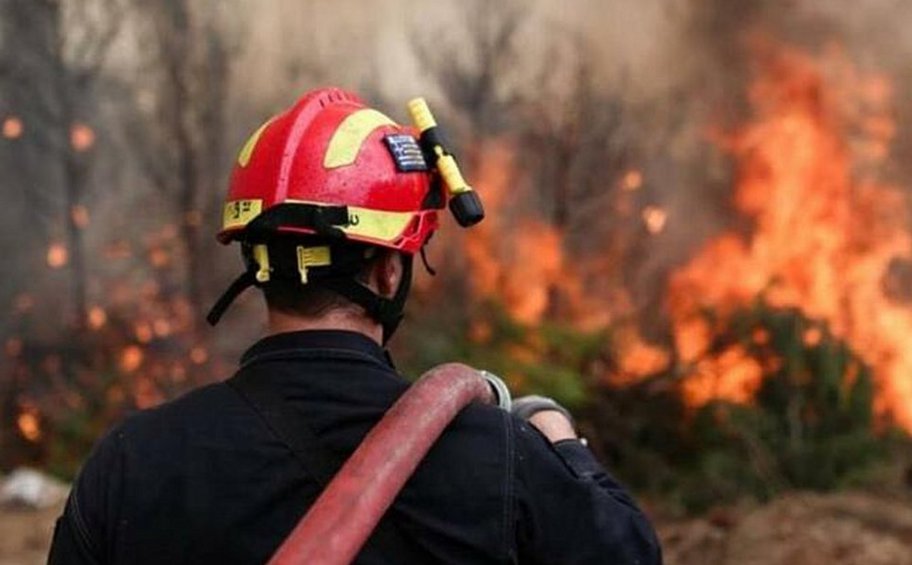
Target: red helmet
334, 171
328, 151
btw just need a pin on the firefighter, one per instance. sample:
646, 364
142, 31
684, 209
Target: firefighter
330, 202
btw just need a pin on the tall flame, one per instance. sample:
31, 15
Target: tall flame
827, 233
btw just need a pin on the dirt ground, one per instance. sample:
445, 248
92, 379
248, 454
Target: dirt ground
25, 534
796, 529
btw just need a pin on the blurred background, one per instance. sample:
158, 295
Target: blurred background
698, 237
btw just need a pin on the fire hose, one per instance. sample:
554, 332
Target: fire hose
343, 517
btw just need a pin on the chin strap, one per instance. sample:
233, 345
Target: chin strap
386, 311
240, 284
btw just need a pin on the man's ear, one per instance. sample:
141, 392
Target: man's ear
388, 273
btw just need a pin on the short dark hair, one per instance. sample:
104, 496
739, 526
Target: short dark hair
311, 300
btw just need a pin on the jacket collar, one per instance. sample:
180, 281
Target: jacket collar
317, 339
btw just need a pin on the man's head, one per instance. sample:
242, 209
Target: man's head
293, 305
330, 201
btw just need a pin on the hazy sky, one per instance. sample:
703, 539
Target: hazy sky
371, 40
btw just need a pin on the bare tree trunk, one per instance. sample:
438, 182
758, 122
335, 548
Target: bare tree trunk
74, 187
191, 73
73, 167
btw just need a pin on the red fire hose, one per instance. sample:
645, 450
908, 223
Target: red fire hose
343, 517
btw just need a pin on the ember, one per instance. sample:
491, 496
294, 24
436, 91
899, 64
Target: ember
57, 256
654, 218
97, 317
131, 358
29, 423
12, 128
82, 137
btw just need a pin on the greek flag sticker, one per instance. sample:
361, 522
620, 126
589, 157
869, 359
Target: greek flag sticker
406, 153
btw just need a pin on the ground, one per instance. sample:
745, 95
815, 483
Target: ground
25, 534
795, 529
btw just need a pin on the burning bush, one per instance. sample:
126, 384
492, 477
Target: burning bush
807, 423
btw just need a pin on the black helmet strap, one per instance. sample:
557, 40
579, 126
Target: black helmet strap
388, 312
239, 285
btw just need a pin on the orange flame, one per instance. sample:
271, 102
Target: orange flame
520, 260
827, 230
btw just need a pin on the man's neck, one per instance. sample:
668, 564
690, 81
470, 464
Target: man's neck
280, 322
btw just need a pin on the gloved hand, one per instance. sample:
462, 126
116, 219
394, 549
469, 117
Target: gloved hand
552, 419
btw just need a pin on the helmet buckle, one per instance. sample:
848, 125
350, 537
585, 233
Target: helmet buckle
261, 256
312, 257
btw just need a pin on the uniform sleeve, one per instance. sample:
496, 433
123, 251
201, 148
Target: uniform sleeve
83, 533
569, 510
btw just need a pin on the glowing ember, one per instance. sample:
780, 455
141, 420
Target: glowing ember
82, 137
199, 355
632, 180
143, 333
826, 233
29, 424
655, 219
761, 336
80, 216
57, 256
162, 327
812, 337
97, 317
13, 128
159, 258
131, 358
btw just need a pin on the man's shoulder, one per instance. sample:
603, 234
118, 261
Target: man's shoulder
200, 410
478, 432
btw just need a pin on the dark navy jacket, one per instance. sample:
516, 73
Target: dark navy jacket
202, 479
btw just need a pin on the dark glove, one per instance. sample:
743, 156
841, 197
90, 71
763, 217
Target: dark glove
527, 406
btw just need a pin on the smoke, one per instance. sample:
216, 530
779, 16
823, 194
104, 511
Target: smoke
679, 69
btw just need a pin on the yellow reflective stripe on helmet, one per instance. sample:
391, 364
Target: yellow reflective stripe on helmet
376, 224
238, 213
382, 225
347, 140
247, 151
